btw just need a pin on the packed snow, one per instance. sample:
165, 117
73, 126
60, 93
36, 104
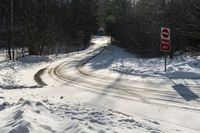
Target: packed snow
101, 89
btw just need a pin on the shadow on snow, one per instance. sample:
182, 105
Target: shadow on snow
185, 92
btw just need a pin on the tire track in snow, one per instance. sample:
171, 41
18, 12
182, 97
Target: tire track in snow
97, 84
38, 79
118, 93
115, 91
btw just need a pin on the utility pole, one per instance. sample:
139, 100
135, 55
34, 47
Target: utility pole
12, 31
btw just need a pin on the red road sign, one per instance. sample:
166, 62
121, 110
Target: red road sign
165, 40
165, 33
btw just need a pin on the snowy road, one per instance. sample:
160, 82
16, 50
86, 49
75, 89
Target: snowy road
117, 86
150, 98
80, 90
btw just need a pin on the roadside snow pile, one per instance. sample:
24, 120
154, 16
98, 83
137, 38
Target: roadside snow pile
11, 73
117, 59
27, 116
42, 116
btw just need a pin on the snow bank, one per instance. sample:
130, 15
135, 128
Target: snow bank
11, 73
117, 59
27, 116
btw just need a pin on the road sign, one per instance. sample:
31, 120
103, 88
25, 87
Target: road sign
165, 40
165, 33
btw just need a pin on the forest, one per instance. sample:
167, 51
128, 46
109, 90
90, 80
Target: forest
136, 25
53, 26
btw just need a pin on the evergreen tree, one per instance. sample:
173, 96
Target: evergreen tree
136, 25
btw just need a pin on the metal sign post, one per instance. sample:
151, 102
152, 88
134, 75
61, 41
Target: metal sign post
165, 44
165, 62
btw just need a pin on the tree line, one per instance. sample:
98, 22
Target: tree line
136, 25
43, 25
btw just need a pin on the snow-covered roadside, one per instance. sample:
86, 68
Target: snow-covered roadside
12, 73
43, 116
117, 59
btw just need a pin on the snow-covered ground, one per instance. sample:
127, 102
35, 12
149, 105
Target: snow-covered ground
99, 90
43, 116
3, 55
117, 59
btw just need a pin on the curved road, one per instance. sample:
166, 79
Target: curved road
71, 72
